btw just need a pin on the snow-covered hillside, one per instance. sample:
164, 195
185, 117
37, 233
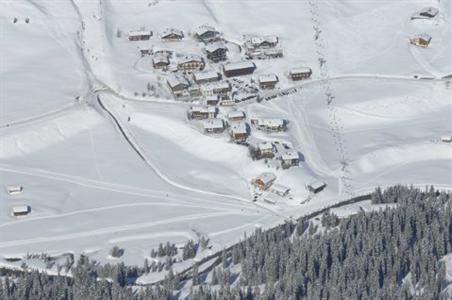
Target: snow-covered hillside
104, 162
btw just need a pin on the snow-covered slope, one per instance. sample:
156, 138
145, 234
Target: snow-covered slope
135, 172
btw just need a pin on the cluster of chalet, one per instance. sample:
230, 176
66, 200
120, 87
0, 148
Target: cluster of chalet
210, 84
265, 184
287, 156
17, 210
423, 39
262, 47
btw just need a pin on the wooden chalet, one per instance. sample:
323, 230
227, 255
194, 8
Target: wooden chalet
239, 132
236, 115
191, 63
206, 77
216, 52
239, 68
206, 34
140, 35
160, 61
421, 40
178, 85
268, 81
220, 88
212, 100
214, 126
202, 112
261, 42
264, 181
300, 73
289, 158
268, 124
171, 35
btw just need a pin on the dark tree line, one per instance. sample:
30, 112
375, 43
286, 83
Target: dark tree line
389, 254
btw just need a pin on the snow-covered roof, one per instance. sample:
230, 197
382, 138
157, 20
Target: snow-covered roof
200, 30
446, 138
208, 75
238, 127
203, 109
221, 85
174, 81
244, 96
160, 58
21, 209
139, 32
268, 78
299, 70
236, 114
257, 40
212, 98
213, 124
239, 65
271, 122
189, 58
423, 36
272, 198
14, 189
265, 146
317, 184
290, 154
169, 31
215, 46
432, 11
266, 177
160, 50
279, 189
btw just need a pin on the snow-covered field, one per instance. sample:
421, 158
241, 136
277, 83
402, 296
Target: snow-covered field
89, 189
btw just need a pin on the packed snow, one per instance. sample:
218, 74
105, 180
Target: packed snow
107, 156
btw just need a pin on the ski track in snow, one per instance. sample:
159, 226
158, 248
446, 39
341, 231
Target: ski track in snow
112, 229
